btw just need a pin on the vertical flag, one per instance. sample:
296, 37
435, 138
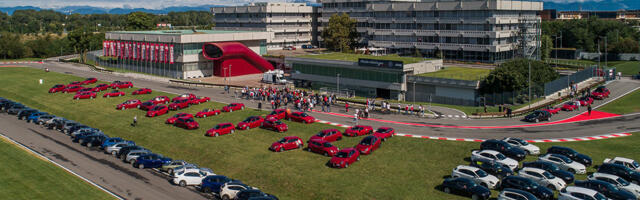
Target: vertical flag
166, 53
113, 48
161, 52
171, 54
153, 49
135, 51
104, 48
156, 52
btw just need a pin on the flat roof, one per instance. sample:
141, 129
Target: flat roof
354, 57
179, 32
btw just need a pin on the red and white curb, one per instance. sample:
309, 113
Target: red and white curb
21, 62
576, 139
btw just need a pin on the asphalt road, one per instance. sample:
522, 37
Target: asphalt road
582, 129
103, 169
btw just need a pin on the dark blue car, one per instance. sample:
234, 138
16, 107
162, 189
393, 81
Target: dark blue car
110, 141
566, 176
620, 170
528, 185
34, 116
574, 155
465, 187
151, 160
607, 189
25, 113
213, 183
504, 148
493, 168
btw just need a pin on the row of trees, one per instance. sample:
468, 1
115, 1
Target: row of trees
49, 21
514, 75
16, 45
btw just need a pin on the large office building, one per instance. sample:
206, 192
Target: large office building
467, 30
290, 23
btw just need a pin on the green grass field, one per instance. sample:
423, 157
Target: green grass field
25, 176
461, 73
403, 168
21, 59
628, 68
354, 57
625, 105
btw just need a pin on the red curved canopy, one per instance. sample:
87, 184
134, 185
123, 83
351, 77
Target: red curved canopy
234, 59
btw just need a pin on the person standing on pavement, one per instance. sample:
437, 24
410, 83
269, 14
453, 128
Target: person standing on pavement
346, 106
589, 109
259, 105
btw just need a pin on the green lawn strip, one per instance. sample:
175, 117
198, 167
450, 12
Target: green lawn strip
21, 59
628, 68
461, 73
355, 57
624, 105
28, 177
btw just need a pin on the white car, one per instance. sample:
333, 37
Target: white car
491, 155
630, 163
524, 145
543, 178
515, 194
190, 177
580, 193
476, 174
620, 183
564, 163
231, 189
115, 148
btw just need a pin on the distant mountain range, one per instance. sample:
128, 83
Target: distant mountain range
604, 5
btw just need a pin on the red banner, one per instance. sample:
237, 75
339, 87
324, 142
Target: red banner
166, 53
156, 52
171, 54
153, 52
113, 48
161, 53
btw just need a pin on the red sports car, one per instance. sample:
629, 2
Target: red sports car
89, 81
287, 143
100, 87
275, 125
141, 91
221, 129
585, 101
553, 110
160, 99
131, 103
187, 123
600, 93
571, 106
322, 146
301, 117
199, 100
179, 104
85, 90
344, 158
175, 117
330, 135
157, 111
85, 95
113, 93
368, 144
358, 130
73, 88
74, 83
184, 96
278, 114
126, 84
208, 112
384, 133
57, 88
250, 122
233, 107
147, 105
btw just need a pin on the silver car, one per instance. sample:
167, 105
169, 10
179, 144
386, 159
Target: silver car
43, 119
133, 155
115, 148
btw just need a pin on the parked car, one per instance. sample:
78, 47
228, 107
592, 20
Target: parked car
330, 135
527, 147
110, 141
160, 99
56, 123
199, 100
175, 117
24, 114
574, 155
157, 111
542, 177
151, 161
600, 93
289, 48
122, 153
213, 183
132, 156
184, 96
100, 87
189, 177
322, 147
553, 110
504, 148
515, 194
307, 46
630, 163
493, 168
72, 89
564, 163
475, 174
493, 156
607, 189
66, 129
344, 158
579, 193
287, 143
620, 183
358, 130
141, 91
221, 129
384, 133
278, 114
187, 123
465, 187
537, 116
621, 171
113, 93
89, 81
368, 144
16, 108
85, 90
301, 117
115, 148
74, 83
131, 103
147, 105
585, 100
521, 183
571, 106
179, 104
250, 122
275, 125
121, 85
84, 95
57, 88
170, 167
233, 107
231, 189
33, 117
44, 118
208, 112
252, 194
566, 176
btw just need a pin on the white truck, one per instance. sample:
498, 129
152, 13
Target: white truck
274, 77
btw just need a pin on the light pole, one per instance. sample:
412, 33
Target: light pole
414, 92
338, 83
